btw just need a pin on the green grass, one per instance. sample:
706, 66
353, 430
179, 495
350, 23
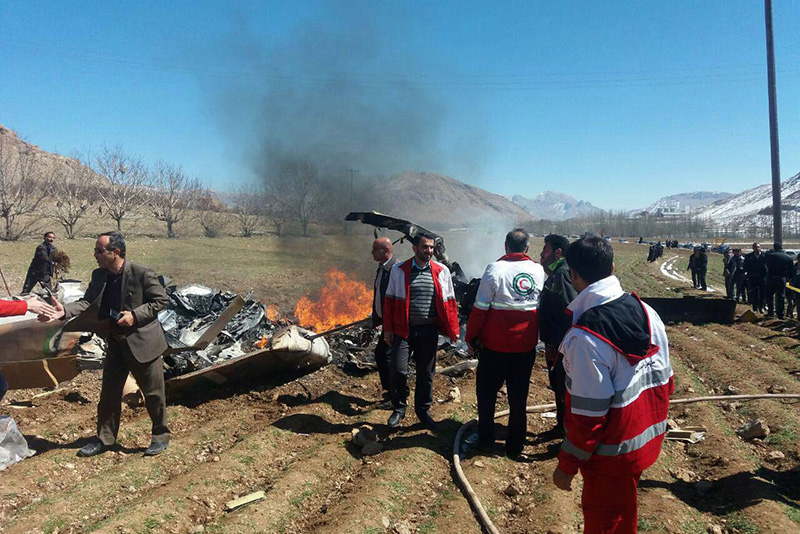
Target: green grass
785, 437
53, 524
647, 525
793, 514
741, 524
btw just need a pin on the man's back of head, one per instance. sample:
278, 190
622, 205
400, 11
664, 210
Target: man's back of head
592, 258
517, 241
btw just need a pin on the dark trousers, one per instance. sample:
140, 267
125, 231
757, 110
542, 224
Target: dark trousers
420, 345
494, 368
756, 292
739, 288
382, 354
728, 287
695, 282
701, 279
558, 382
150, 379
776, 293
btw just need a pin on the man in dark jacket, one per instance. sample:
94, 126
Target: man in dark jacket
693, 266
553, 319
727, 273
127, 297
779, 269
41, 267
382, 254
736, 265
756, 269
702, 268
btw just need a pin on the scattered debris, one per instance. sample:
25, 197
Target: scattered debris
454, 395
241, 501
753, 430
458, 369
776, 455
13, 447
748, 317
775, 388
688, 434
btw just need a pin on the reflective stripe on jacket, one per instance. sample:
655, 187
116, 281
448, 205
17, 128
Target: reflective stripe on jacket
619, 380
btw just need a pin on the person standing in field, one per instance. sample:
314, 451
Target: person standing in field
41, 267
382, 254
420, 304
554, 322
619, 379
504, 328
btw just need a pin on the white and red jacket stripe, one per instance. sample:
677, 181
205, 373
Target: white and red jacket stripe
619, 380
396, 302
505, 316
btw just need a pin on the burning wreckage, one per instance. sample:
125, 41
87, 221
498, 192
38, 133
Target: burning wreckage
218, 337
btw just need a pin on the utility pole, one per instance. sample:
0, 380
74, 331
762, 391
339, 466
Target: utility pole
352, 174
777, 221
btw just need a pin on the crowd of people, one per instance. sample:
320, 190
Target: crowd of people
606, 352
760, 279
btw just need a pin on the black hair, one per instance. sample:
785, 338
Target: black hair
592, 258
517, 240
44, 235
777, 246
557, 241
422, 235
115, 241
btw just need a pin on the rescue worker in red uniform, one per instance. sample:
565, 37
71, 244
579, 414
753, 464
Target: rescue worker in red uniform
504, 326
619, 380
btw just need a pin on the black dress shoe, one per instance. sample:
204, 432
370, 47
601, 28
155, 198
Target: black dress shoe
427, 421
156, 448
92, 449
395, 418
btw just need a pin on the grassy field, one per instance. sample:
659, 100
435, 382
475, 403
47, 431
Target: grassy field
280, 271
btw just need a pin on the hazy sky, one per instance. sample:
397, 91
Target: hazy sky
618, 103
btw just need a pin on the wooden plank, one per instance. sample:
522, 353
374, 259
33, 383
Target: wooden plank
40, 373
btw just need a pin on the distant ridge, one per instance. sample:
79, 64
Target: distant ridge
555, 206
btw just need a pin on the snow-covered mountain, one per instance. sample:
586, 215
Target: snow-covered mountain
686, 201
555, 206
754, 206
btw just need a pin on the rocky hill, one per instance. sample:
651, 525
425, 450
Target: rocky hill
754, 206
684, 201
443, 202
555, 206
13, 149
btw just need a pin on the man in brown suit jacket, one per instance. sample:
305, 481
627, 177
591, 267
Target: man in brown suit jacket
127, 297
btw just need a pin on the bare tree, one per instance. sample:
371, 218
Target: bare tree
305, 191
23, 188
277, 202
210, 213
175, 193
74, 193
247, 210
127, 177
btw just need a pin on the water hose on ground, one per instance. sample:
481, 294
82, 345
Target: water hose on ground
472, 497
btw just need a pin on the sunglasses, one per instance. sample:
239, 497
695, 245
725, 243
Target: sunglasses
101, 250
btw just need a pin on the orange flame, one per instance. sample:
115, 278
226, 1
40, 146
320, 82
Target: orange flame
340, 302
273, 312
261, 343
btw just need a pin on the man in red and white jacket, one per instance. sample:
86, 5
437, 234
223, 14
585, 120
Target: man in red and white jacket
420, 304
505, 322
619, 380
